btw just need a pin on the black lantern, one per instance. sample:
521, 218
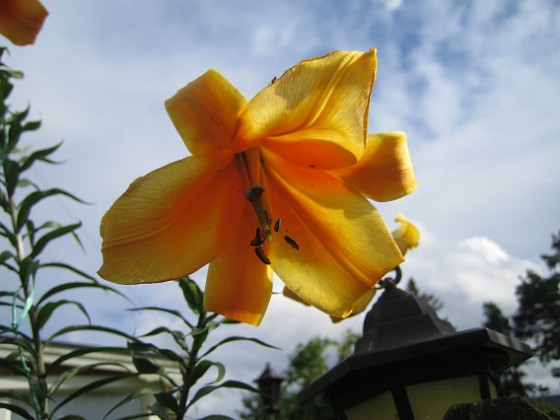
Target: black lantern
410, 364
269, 386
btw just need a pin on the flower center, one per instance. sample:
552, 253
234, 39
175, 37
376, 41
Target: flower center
252, 165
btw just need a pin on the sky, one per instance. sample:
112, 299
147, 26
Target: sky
473, 84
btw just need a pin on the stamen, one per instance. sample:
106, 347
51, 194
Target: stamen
259, 238
291, 242
254, 195
277, 225
260, 254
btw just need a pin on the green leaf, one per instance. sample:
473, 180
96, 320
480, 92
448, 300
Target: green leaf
167, 400
5, 256
4, 203
129, 398
138, 346
82, 352
27, 269
25, 399
12, 367
193, 295
96, 328
18, 410
160, 411
202, 392
74, 270
74, 285
11, 175
47, 310
202, 367
33, 198
237, 338
91, 386
144, 365
31, 126
40, 155
57, 233
165, 310
70, 373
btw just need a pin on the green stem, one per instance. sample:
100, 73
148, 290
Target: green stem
39, 398
193, 361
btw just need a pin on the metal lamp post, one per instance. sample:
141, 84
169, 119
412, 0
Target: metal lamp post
269, 383
410, 364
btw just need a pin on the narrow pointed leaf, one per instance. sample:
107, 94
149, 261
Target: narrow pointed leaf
167, 400
82, 352
57, 233
48, 309
236, 338
129, 398
39, 155
74, 285
91, 386
202, 392
70, 373
144, 365
11, 175
96, 328
18, 410
33, 198
193, 295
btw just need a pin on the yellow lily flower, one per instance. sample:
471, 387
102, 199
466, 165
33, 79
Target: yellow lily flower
275, 184
21, 20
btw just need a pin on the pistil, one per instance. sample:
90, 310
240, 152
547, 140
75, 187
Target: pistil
254, 194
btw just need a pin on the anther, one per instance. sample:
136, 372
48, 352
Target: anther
277, 225
259, 238
260, 254
291, 242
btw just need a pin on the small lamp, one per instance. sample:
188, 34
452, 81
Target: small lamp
410, 364
269, 383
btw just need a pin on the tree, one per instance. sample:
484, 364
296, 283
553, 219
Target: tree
430, 299
536, 319
511, 381
308, 361
538, 312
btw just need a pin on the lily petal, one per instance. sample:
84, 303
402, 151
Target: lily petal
238, 285
359, 306
385, 171
316, 113
205, 112
172, 221
21, 20
344, 244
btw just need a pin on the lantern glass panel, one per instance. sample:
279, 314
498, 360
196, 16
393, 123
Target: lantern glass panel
429, 400
382, 407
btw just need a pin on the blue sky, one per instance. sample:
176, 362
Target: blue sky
474, 84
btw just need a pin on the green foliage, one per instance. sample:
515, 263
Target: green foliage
511, 381
26, 241
538, 313
536, 319
191, 362
308, 361
430, 299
